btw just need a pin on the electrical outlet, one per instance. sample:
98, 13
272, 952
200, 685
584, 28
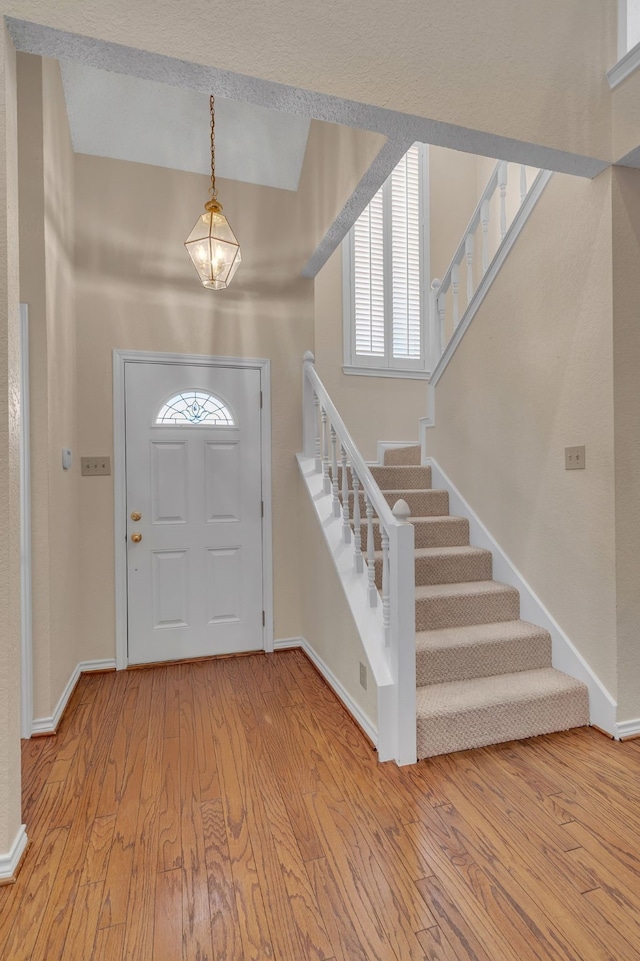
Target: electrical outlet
363, 675
574, 458
95, 466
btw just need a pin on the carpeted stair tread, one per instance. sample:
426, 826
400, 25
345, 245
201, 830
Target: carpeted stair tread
402, 455
422, 503
440, 565
444, 530
480, 650
395, 477
469, 602
459, 715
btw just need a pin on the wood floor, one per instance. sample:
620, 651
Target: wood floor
232, 810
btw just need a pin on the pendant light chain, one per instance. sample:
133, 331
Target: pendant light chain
213, 190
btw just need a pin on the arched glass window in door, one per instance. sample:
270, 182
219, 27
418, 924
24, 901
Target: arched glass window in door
195, 407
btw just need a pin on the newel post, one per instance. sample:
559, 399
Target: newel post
309, 413
403, 631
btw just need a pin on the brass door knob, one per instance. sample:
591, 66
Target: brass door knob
136, 538
136, 516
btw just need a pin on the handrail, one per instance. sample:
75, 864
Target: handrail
358, 464
389, 578
472, 226
465, 251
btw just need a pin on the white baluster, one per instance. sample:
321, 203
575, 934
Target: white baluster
434, 326
468, 250
484, 220
502, 184
346, 526
357, 534
371, 559
316, 404
455, 283
386, 600
523, 183
442, 315
325, 452
334, 474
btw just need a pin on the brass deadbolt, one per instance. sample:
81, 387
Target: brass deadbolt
136, 516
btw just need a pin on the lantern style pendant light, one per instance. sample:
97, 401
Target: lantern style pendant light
212, 244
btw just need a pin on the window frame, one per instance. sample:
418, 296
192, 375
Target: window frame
388, 366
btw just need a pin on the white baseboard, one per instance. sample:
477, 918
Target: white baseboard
49, 725
626, 729
356, 712
9, 862
565, 655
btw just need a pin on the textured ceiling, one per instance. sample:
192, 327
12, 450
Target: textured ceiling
127, 118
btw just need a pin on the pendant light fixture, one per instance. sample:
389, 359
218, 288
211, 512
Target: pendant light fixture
212, 244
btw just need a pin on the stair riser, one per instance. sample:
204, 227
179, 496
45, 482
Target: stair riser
425, 503
477, 728
450, 532
482, 660
433, 613
402, 455
395, 478
447, 570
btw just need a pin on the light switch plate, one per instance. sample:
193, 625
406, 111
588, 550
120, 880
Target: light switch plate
574, 458
95, 466
66, 458
363, 675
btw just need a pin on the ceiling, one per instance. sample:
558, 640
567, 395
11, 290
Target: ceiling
127, 118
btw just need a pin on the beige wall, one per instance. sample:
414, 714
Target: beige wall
9, 455
373, 408
535, 72
327, 623
335, 161
533, 375
137, 290
626, 360
47, 286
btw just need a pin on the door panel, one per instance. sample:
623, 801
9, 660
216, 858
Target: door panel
194, 580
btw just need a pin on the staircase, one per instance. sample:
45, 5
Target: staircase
483, 676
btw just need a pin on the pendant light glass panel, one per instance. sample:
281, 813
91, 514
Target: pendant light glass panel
214, 250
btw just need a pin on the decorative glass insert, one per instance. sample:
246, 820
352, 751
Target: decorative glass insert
195, 407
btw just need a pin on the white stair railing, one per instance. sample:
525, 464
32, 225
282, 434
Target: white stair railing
447, 310
386, 532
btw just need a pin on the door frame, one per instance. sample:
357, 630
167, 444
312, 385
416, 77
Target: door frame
26, 633
122, 357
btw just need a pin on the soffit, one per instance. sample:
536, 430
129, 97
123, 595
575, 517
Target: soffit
128, 118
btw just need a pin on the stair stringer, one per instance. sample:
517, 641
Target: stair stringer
565, 656
368, 620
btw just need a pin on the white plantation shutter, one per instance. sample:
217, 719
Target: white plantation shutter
369, 280
384, 265
405, 256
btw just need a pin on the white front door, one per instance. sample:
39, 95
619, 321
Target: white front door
193, 475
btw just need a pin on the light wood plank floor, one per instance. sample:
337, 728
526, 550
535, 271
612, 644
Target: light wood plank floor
231, 810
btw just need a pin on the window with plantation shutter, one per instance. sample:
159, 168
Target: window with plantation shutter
384, 275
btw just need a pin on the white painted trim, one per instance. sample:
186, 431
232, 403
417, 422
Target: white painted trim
354, 709
565, 655
624, 729
9, 862
393, 717
26, 634
384, 445
122, 357
49, 725
501, 255
406, 374
625, 66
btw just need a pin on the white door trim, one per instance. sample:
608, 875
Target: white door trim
26, 705
120, 358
